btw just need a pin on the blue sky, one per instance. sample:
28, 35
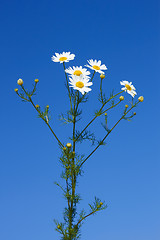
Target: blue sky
125, 173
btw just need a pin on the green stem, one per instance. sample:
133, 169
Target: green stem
68, 86
86, 217
101, 91
47, 124
93, 76
73, 175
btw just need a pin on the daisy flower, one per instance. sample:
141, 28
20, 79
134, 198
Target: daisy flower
63, 57
77, 71
96, 66
128, 87
80, 83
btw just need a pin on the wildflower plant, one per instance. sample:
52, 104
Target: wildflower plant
79, 81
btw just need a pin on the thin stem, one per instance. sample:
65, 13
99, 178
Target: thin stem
22, 97
67, 86
107, 134
47, 123
112, 107
73, 175
93, 76
86, 217
101, 90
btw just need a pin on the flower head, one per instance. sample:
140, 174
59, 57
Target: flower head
128, 87
16, 89
69, 145
20, 82
80, 83
102, 76
78, 71
141, 99
63, 57
96, 66
121, 98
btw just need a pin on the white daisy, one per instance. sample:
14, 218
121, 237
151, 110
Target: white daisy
80, 83
78, 71
96, 65
63, 57
128, 87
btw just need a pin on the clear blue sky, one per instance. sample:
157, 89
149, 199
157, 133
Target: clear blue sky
125, 173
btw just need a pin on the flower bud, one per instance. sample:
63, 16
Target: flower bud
37, 106
105, 114
69, 145
64, 149
102, 76
101, 203
121, 98
134, 113
36, 80
141, 99
126, 106
47, 106
58, 226
16, 89
20, 82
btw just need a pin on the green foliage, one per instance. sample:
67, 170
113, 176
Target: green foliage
105, 125
98, 113
44, 114
129, 118
86, 135
97, 205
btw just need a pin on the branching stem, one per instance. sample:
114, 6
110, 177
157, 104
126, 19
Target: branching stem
107, 134
99, 111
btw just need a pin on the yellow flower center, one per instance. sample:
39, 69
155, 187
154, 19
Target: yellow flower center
79, 84
96, 67
128, 87
77, 73
62, 59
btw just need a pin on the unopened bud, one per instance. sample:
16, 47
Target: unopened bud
16, 89
141, 99
37, 106
64, 149
101, 203
36, 80
20, 82
105, 114
102, 76
121, 98
69, 145
58, 226
126, 106
134, 113
47, 106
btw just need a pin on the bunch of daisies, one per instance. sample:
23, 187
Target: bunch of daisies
79, 77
